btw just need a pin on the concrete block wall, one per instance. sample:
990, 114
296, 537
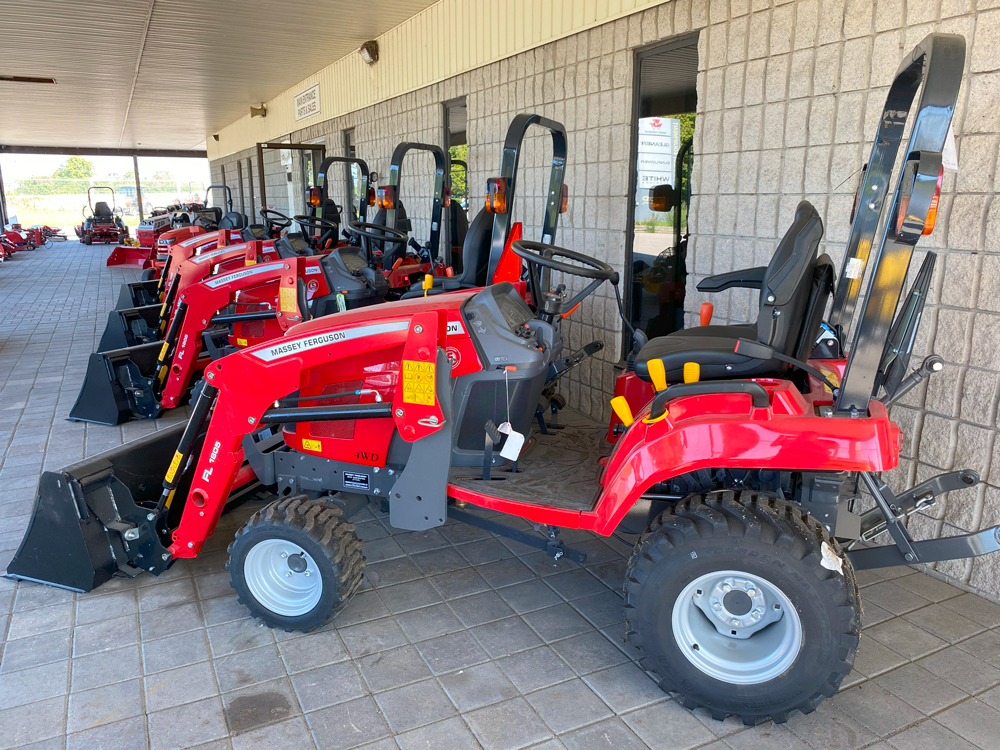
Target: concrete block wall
789, 92
789, 98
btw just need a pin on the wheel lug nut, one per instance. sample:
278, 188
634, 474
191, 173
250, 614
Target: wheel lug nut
717, 607
284, 555
307, 574
727, 588
734, 622
288, 574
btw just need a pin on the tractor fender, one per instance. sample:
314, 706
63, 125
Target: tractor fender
727, 431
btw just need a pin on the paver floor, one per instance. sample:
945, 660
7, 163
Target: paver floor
458, 639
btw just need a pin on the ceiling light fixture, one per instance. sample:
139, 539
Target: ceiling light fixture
26, 79
369, 52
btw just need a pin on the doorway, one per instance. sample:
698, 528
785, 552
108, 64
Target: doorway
660, 176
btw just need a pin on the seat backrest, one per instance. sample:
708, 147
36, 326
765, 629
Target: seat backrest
391, 250
476, 250
102, 211
459, 224
819, 294
785, 290
233, 220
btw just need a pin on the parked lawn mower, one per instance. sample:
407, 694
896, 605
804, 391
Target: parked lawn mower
143, 251
741, 454
103, 223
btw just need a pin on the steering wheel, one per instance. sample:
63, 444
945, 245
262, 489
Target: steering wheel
325, 227
274, 224
538, 254
368, 230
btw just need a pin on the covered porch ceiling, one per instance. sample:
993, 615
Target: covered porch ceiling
164, 75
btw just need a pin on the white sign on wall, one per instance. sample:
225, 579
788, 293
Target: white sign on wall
659, 141
307, 103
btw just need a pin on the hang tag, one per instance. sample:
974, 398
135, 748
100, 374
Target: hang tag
513, 444
341, 303
949, 155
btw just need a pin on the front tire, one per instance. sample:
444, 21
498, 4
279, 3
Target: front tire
744, 605
87, 239
296, 563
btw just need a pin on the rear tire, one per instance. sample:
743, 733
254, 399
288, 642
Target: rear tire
769, 556
296, 563
148, 274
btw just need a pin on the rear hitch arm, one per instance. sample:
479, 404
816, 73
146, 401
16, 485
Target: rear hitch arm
905, 551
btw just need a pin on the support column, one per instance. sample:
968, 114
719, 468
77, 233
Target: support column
138, 189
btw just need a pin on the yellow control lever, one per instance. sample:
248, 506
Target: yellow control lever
657, 374
692, 372
428, 283
623, 410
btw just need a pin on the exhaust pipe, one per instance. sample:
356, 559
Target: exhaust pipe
119, 384
97, 518
130, 327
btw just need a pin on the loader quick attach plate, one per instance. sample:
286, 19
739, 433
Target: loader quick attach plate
86, 525
559, 469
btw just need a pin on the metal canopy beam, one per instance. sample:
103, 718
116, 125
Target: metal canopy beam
74, 151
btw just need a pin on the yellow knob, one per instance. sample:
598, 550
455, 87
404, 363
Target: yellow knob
657, 374
428, 281
692, 372
622, 410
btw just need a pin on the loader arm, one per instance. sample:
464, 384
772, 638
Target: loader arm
181, 351
241, 387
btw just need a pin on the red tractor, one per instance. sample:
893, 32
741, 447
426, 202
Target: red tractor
103, 223
740, 455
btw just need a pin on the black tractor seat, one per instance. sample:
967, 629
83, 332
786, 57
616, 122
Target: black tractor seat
794, 289
293, 245
234, 220
475, 260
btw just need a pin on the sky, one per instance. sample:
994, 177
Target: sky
23, 166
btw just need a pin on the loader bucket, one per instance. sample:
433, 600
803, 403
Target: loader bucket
118, 385
137, 294
126, 255
130, 327
86, 525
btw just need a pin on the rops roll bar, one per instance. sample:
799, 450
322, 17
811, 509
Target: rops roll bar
324, 184
441, 168
508, 173
937, 62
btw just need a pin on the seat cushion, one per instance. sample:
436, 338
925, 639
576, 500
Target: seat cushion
715, 354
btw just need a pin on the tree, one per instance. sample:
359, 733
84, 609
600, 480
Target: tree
75, 168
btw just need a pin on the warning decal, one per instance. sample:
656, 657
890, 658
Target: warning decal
288, 299
418, 382
312, 445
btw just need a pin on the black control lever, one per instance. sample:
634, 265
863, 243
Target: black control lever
757, 350
928, 367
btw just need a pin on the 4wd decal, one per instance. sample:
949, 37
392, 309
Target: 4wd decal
283, 348
236, 276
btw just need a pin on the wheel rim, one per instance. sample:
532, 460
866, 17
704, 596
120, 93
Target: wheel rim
736, 627
282, 577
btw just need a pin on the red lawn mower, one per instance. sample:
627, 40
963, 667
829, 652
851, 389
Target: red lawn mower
739, 454
103, 223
